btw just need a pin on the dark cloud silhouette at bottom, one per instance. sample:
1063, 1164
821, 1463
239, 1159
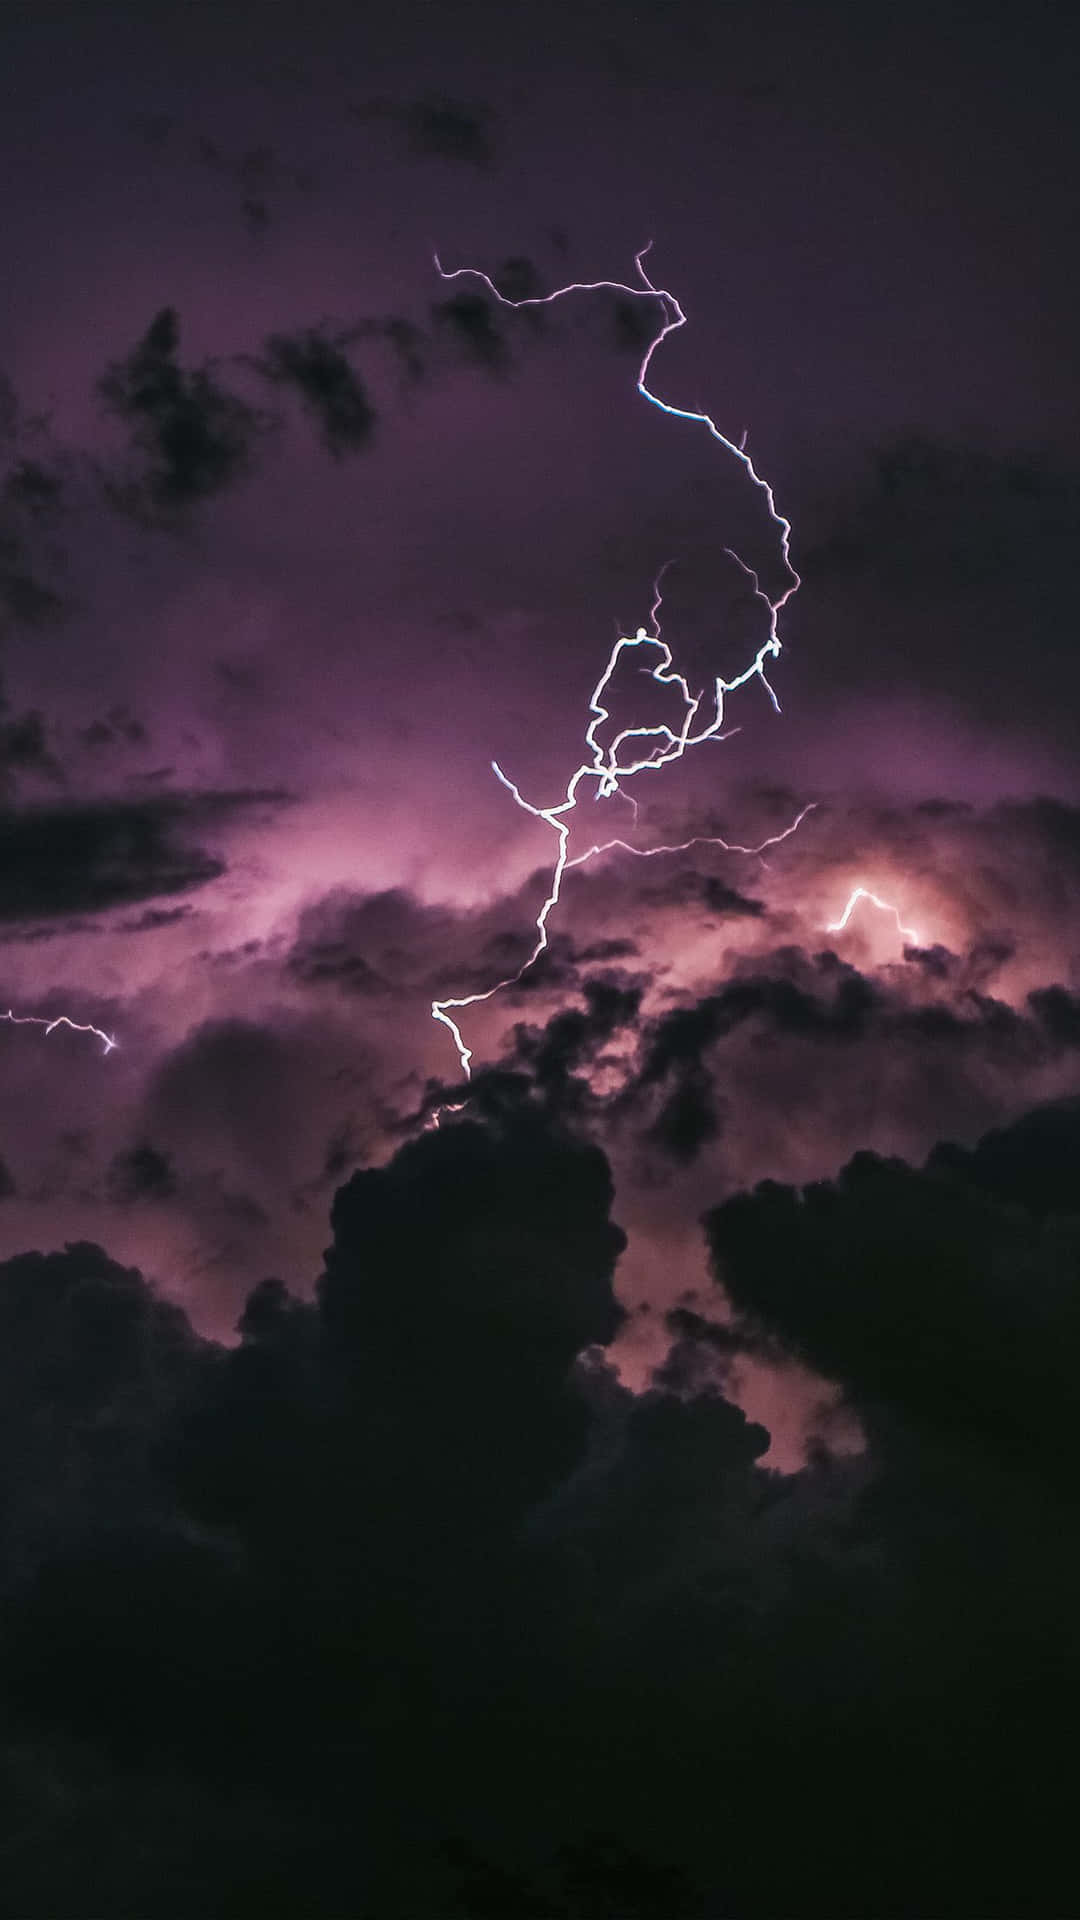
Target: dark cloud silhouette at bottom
455, 1624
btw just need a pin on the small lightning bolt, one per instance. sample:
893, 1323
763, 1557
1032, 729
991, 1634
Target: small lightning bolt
650, 748
59, 1020
885, 906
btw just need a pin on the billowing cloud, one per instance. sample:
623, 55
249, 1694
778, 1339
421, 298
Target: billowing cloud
651, 1494
429, 1477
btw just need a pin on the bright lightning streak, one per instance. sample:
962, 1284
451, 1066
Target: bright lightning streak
885, 906
661, 744
700, 840
60, 1020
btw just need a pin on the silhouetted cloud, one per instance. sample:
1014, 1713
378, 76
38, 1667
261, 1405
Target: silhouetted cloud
929, 1018
560, 1055
195, 436
92, 1360
468, 320
929, 1294
316, 367
83, 858
24, 749
417, 1524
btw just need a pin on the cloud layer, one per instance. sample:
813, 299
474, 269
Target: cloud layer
402, 1533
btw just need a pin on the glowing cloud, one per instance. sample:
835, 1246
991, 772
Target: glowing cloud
885, 906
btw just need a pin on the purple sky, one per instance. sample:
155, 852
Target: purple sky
291, 682
641, 1481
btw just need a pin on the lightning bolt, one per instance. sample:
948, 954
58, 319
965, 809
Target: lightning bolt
59, 1020
863, 893
650, 748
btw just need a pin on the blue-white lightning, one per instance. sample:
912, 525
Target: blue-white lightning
649, 748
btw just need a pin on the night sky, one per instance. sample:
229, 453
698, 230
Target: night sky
639, 1479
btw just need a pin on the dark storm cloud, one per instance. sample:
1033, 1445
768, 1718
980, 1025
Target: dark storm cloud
91, 1359
392, 943
1030, 1164
931, 1017
974, 969
405, 1528
438, 128
428, 1393
1054, 823
451, 130
1059, 1012
480, 328
140, 1173
560, 1056
687, 888
475, 1266
688, 1116
601, 952
468, 320
259, 1116
839, 1009
84, 858
395, 954
660, 1479
229, 1074
405, 1604
934, 1295
354, 942
463, 326
315, 366
24, 749
501, 1247
674, 1050
194, 436
633, 324
704, 1349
